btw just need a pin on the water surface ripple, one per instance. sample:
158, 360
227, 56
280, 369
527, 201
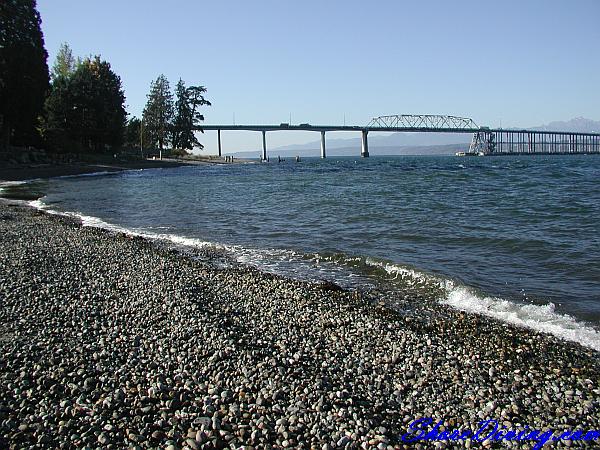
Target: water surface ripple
523, 229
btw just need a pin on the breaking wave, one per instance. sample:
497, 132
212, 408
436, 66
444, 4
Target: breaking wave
358, 271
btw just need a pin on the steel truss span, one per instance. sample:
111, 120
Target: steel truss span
423, 121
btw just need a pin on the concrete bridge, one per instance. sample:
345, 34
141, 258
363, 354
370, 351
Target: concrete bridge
485, 141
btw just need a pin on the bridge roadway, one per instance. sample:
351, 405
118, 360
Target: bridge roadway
325, 128
486, 140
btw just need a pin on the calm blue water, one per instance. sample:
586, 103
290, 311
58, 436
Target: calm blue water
492, 232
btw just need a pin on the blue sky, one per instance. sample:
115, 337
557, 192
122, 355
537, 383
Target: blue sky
516, 63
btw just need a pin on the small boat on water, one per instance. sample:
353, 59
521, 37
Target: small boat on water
470, 154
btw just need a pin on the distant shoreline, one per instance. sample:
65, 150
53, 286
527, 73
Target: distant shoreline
26, 172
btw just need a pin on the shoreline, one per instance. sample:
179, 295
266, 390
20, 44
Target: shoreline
37, 171
441, 289
28, 172
130, 343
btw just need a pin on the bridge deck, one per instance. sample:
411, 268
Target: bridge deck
334, 128
319, 128
485, 140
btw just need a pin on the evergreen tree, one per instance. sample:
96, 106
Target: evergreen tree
65, 64
23, 71
187, 115
182, 115
87, 107
135, 135
158, 112
195, 98
57, 124
108, 104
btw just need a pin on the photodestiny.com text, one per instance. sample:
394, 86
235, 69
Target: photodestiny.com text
490, 430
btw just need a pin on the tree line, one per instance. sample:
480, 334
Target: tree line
171, 121
79, 105
85, 104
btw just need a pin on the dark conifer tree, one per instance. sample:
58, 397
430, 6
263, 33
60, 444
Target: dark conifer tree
87, 107
182, 115
133, 132
194, 99
158, 112
23, 72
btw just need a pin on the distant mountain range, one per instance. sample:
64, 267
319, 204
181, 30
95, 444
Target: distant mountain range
579, 124
392, 144
407, 143
446, 149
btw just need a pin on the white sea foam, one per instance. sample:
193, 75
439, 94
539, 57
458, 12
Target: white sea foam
88, 221
8, 184
541, 318
240, 254
38, 204
11, 183
90, 174
409, 275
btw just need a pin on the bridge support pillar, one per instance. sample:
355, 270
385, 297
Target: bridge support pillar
264, 151
219, 139
364, 151
323, 144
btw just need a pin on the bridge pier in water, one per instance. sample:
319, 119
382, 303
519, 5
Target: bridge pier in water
264, 151
364, 151
219, 139
323, 144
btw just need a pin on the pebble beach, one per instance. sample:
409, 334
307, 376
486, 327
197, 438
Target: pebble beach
113, 341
